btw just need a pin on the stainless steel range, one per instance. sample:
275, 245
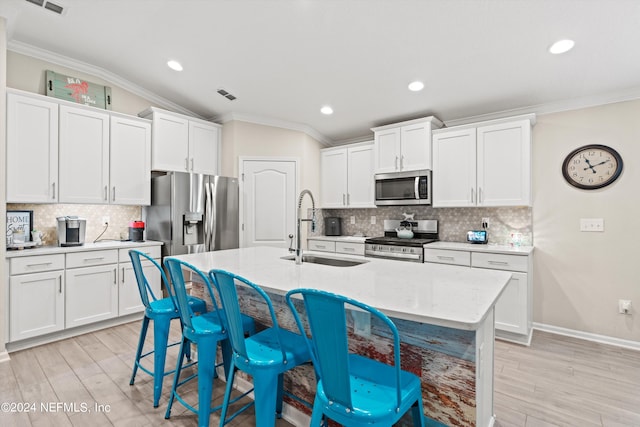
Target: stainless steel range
391, 246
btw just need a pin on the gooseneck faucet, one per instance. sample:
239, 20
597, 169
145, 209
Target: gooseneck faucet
299, 223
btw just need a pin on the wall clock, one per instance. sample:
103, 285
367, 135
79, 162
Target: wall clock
592, 166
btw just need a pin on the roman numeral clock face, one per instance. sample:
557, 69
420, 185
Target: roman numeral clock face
592, 166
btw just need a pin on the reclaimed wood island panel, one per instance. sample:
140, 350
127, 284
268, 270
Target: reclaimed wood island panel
445, 316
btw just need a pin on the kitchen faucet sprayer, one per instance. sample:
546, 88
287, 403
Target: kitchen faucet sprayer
299, 222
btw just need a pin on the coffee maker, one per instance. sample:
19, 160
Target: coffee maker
71, 230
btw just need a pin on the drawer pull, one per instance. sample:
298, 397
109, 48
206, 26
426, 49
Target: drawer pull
94, 259
498, 262
39, 264
321, 246
448, 258
349, 249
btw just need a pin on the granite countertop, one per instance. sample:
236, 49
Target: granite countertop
429, 293
53, 249
353, 239
473, 247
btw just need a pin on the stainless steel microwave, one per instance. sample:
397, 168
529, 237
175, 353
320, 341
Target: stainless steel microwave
403, 188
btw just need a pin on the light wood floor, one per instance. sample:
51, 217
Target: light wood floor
558, 381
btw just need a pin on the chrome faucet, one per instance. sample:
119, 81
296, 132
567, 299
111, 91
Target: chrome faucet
298, 249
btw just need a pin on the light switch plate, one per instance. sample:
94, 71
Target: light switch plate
592, 224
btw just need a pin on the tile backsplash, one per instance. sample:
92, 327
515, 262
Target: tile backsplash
453, 223
44, 219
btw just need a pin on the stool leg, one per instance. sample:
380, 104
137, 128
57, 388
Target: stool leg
227, 392
176, 377
143, 336
279, 397
316, 414
418, 413
161, 325
206, 367
264, 384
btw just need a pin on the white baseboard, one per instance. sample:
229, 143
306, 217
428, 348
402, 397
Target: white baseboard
4, 356
603, 339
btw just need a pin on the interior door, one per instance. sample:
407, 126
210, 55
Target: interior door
267, 202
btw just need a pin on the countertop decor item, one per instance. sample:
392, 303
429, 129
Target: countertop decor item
592, 166
19, 227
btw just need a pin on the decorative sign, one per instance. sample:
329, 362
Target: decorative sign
19, 223
76, 90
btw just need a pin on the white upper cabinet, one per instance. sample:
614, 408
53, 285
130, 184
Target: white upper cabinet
183, 144
347, 177
404, 146
84, 155
485, 164
130, 161
32, 149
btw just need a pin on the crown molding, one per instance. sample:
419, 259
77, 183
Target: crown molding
553, 107
284, 124
64, 61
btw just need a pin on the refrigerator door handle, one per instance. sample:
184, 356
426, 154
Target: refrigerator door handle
207, 216
211, 216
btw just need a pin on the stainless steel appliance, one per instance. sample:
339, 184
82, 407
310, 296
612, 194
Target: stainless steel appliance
71, 230
403, 188
193, 213
391, 246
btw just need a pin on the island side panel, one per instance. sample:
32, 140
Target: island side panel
444, 358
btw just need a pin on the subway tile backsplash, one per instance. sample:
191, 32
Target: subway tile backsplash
44, 219
453, 223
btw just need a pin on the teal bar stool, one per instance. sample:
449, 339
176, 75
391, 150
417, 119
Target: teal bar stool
205, 331
353, 390
265, 356
162, 312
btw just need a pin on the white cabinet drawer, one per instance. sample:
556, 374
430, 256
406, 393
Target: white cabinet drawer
152, 251
322, 245
84, 259
444, 256
499, 261
350, 248
35, 264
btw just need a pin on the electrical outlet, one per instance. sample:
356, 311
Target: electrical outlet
105, 220
624, 306
592, 224
485, 222
353, 219
373, 220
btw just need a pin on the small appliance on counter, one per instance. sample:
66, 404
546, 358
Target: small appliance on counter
136, 231
477, 236
71, 230
333, 226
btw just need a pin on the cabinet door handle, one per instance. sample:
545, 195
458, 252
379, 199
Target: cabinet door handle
348, 199
115, 276
401, 162
113, 195
53, 188
396, 162
106, 196
472, 198
498, 262
122, 275
343, 200
59, 284
479, 195
186, 163
192, 164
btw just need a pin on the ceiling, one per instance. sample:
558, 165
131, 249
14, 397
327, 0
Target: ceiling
284, 59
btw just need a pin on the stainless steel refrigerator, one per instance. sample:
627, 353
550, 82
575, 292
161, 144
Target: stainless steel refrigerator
193, 213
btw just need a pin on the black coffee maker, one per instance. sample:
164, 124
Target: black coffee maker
333, 226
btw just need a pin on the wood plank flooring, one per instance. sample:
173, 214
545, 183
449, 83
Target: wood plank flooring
558, 381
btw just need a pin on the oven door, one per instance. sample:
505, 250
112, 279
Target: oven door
403, 188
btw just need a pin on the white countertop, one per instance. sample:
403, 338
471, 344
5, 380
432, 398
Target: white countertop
429, 293
474, 247
353, 239
107, 244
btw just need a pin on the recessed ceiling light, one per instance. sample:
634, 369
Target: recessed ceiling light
416, 86
174, 65
326, 110
561, 46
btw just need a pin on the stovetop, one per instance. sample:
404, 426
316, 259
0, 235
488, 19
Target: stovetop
397, 241
424, 231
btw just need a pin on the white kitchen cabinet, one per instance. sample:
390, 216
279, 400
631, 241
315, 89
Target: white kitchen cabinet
484, 164
91, 287
336, 245
347, 177
514, 308
32, 148
182, 143
84, 155
36, 296
129, 300
404, 146
130, 160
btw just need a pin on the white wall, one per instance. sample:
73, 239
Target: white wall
578, 276
3, 196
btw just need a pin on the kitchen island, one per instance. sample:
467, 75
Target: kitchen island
445, 316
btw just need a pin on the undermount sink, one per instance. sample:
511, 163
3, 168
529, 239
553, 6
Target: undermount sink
334, 262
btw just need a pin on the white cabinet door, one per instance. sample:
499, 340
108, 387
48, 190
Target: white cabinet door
32, 150
360, 193
504, 164
84, 156
387, 150
204, 140
37, 304
415, 147
454, 168
170, 151
511, 308
130, 161
129, 300
333, 173
91, 294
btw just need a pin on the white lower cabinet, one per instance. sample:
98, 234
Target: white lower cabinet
513, 311
129, 300
92, 294
336, 246
36, 296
